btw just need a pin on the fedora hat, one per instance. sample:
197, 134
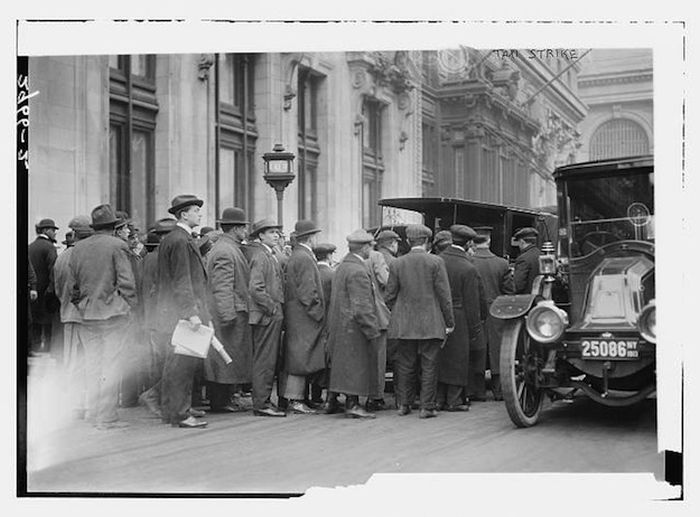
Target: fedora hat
46, 223
80, 225
183, 201
164, 225
262, 225
305, 227
103, 217
233, 215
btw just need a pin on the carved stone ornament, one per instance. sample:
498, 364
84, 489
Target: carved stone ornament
206, 61
289, 94
404, 101
359, 122
359, 79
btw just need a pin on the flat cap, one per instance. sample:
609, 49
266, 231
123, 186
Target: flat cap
360, 236
528, 231
442, 236
462, 232
324, 248
416, 231
483, 230
480, 238
386, 235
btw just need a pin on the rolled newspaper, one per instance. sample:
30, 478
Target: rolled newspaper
220, 348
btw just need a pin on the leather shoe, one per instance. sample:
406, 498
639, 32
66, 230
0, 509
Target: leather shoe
457, 407
404, 410
357, 412
331, 407
196, 413
191, 423
300, 408
427, 413
375, 405
269, 411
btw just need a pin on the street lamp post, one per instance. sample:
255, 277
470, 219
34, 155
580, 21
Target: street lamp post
278, 173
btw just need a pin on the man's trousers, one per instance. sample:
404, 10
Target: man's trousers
410, 354
266, 345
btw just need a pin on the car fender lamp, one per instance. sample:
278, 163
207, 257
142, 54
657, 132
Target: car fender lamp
548, 260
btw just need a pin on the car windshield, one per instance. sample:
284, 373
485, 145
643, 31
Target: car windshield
609, 209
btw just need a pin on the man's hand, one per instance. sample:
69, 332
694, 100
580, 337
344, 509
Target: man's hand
195, 323
33, 295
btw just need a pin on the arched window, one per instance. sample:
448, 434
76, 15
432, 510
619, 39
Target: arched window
618, 138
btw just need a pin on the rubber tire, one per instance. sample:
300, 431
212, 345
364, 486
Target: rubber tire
513, 331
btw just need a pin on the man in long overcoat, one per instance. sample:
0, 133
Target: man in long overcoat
229, 274
464, 286
418, 295
304, 313
182, 281
354, 327
497, 280
104, 291
73, 350
266, 289
323, 252
527, 265
42, 254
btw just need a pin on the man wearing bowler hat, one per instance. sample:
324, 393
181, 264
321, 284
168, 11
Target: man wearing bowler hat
42, 255
266, 289
182, 281
418, 294
158, 341
527, 265
104, 292
354, 328
229, 274
73, 350
304, 313
455, 356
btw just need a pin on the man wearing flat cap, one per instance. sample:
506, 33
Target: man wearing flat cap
527, 265
354, 328
497, 280
104, 292
42, 255
158, 340
388, 245
468, 334
304, 314
266, 317
73, 350
182, 281
229, 274
442, 241
418, 294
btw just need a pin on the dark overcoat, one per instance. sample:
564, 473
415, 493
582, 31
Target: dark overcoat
63, 287
353, 329
464, 286
304, 313
327, 274
527, 267
265, 286
149, 289
42, 255
228, 273
182, 280
418, 295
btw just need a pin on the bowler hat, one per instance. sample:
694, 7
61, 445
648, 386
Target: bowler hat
233, 215
442, 236
46, 223
164, 225
386, 235
262, 225
103, 217
183, 201
462, 232
80, 224
416, 231
305, 227
152, 240
526, 232
360, 237
205, 230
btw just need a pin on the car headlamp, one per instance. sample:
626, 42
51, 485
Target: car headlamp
647, 322
546, 322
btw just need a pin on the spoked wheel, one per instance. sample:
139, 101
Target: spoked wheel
518, 375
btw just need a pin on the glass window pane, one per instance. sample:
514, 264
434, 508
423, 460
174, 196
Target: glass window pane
114, 61
227, 175
141, 150
139, 65
226, 77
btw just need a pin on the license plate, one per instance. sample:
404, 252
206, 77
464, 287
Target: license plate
606, 349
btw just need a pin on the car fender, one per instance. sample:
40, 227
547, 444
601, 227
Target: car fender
509, 306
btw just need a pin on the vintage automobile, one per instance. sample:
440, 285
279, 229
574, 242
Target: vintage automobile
439, 213
597, 336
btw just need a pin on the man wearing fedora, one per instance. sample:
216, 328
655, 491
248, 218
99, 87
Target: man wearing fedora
42, 254
354, 328
228, 275
182, 281
418, 294
73, 350
158, 343
104, 292
266, 289
453, 370
527, 264
304, 313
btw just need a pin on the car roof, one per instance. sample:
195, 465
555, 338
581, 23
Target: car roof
434, 204
631, 164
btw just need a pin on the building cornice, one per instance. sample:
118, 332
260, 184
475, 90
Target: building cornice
636, 76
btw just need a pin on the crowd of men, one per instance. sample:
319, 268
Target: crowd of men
288, 316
